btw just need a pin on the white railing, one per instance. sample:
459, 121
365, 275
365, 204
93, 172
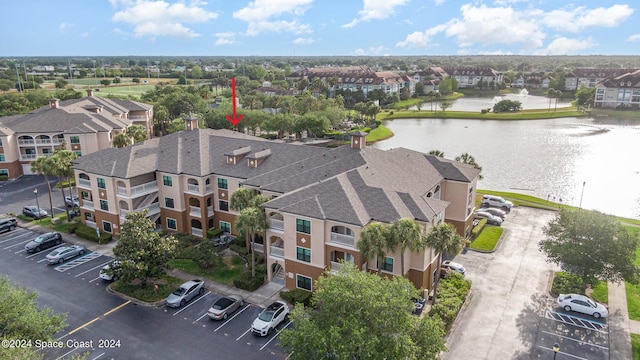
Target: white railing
28, 156
153, 208
335, 266
138, 190
196, 231
195, 211
87, 204
122, 190
276, 251
123, 213
26, 142
90, 224
276, 224
208, 188
84, 183
258, 247
342, 239
193, 188
210, 210
138, 117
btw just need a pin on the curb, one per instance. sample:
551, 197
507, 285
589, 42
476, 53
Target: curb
495, 248
457, 320
156, 304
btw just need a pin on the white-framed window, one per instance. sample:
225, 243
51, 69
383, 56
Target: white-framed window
172, 224
106, 226
304, 282
225, 226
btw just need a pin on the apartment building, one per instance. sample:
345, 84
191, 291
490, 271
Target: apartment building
320, 198
619, 91
83, 125
589, 77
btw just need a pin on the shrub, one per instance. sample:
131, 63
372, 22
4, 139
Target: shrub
89, 233
246, 282
478, 228
239, 241
296, 296
206, 255
212, 234
451, 294
4, 177
241, 250
565, 283
73, 227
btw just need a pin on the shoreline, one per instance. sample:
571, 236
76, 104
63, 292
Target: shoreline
521, 115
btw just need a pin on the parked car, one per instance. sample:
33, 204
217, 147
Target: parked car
60, 255
450, 265
43, 241
226, 305
495, 212
269, 318
223, 240
72, 202
496, 201
582, 304
8, 224
491, 219
185, 293
34, 212
110, 272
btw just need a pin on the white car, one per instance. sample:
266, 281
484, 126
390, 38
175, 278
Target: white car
110, 271
582, 304
450, 265
496, 201
491, 219
269, 318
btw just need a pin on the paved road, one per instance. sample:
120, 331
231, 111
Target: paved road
508, 293
16, 194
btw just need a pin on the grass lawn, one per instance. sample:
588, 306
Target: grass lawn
133, 90
224, 275
379, 133
165, 286
601, 292
487, 239
519, 199
564, 283
633, 301
635, 346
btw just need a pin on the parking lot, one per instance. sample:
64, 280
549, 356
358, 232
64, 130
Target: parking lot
107, 326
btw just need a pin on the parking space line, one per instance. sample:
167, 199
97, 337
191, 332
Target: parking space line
93, 268
193, 302
231, 318
77, 262
92, 280
576, 321
67, 353
40, 253
117, 308
98, 357
14, 245
243, 334
275, 336
563, 353
200, 318
578, 341
15, 237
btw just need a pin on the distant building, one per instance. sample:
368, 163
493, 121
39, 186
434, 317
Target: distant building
619, 91
590, 77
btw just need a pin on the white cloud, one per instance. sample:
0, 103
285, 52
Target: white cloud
440, 2
374, 50
263, 16
85, 34
375, 10
634, 37
421, 39
64, 26
579, 18
303, 41
161, 18
359, 52
566, 46
225, 38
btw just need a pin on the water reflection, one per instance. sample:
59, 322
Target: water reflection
551, 157
529, 102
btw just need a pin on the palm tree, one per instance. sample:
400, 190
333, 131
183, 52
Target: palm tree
43, 165
406, 234
558, 94
121, 140
443, 238
137, 133
437, 153
250, 221
374, 242
551, 93
465, 158
62, 161
245, 199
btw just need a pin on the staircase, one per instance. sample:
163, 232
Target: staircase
278, 276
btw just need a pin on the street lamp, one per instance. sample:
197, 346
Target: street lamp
582, 194
556, 348
35, 192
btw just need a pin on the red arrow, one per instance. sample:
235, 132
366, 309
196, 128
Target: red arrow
235, 119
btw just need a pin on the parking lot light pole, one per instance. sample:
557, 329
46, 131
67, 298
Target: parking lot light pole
556, 348
582, 194
35, 192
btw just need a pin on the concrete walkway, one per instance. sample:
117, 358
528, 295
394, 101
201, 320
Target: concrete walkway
620, 327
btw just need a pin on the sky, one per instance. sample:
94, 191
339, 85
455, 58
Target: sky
319, 27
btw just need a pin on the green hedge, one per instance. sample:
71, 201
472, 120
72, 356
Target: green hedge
296, 296
89, 233
246, 282
451, 294
478, 228
212, 234
565, 283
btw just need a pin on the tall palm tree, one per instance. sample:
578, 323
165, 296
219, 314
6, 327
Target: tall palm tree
406, 234
121, 140
374, 242
443, 238
437, 153
62, 161
43, 165
465, 158
251, 220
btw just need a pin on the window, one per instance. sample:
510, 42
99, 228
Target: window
168, 202
172, 224
2, 158
104, 205
101, 183
223, 205
85, 195
167, 180
387, 265
79, 153
106, 226
303, 254
225, 226
74, 139
303, 282
222, 183
4, 172
303, 226
0, 142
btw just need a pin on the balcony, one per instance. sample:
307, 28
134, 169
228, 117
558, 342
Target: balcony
48, 142
138, 117
26, 142
335, 266
195, 211
258, 247
87, 204
139, 190
84, 183
276, 224
196, 232
208, 189
90, 224
210, 211
25, 157
153, 209
276, 251
343, 239
194, 189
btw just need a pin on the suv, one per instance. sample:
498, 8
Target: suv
34, 212
491, 219
43, 241
269, 318
8, 224
496, 201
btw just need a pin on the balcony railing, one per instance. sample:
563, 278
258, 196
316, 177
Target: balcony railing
258, 247
49, 142
123, 213
195, 211
208, 188
90, 224
28, 156
138, 117
138, 190
335, 266
276, 251
196, 231
26, 142
84, 183
87, 204
342, 239
193, 188
276, 224
210, 210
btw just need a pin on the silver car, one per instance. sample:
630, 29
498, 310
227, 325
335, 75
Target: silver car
186, 292
59, 255
224, 306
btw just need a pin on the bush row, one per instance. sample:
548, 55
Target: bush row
451, 294
296, 296
89, 233
478, 228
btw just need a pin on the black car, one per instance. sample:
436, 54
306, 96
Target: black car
8, 224
43, 241
34, 212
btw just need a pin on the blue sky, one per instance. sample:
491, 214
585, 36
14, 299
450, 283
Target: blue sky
318, 27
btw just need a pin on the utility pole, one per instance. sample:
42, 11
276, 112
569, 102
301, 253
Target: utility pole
18, 75
70, 72
95, 78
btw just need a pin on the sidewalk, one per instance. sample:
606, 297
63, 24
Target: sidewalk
262, 297
620, 327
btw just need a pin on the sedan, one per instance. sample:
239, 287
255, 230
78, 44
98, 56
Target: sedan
34, 212
186, 292
582, 304
59, 255
495, 212
43, 241
450, 265
110, 271
491, 220
72, 202
224, 306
